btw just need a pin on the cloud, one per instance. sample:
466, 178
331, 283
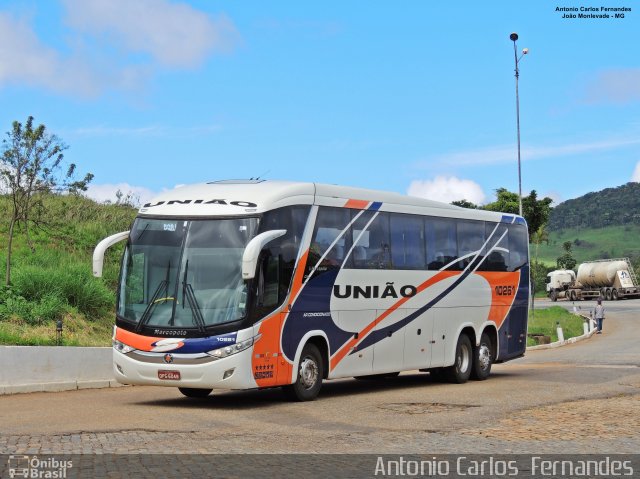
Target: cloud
107, 192
112, 45
447, 189
24, 59
174, 34
508, 153
636, 173
618, 86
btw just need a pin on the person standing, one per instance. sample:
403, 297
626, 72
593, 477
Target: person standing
599, 315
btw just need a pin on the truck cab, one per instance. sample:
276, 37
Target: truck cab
559, 281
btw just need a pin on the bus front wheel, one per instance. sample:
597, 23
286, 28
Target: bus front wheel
482, 359
195, 392
309, 377
461, 370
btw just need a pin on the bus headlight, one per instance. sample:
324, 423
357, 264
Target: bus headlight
121, 347
234, 348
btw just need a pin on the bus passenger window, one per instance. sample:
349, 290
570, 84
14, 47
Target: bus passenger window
470, 241
442, 243
328, 244
371, 246
519, 247
407, 242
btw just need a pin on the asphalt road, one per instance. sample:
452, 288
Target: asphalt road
581, 398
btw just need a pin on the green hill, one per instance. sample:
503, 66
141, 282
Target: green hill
600, 225
592, 243
610, 207
54, 281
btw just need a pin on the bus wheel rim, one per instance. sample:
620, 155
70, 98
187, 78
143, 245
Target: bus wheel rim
464, 358
308, 372
484, 356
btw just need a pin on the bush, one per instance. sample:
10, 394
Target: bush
47, 308
70, 285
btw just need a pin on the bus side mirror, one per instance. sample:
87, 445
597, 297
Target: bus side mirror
104, 245
252, 251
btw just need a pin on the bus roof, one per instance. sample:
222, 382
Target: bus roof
246, 197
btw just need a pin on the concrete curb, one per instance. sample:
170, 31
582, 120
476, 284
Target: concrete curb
559, 344
28, 369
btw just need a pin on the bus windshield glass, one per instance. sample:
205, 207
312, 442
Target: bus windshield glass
184, 274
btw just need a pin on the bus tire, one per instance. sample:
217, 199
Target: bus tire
309, 377
195, 392
482, 359
461, 370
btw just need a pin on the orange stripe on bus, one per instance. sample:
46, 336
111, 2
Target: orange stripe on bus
357, 204
342, 352
137, 341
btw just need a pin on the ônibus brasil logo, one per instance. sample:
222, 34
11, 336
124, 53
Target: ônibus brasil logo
37, 468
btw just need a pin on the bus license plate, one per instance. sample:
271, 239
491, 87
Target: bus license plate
169, 375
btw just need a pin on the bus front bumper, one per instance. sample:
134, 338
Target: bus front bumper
231, 372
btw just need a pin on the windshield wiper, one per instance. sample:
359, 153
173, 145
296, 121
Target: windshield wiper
187, 291
146, 314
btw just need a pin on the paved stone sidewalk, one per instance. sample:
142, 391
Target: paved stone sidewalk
608, 425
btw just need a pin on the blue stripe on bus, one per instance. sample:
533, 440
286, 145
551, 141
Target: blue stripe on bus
375, 206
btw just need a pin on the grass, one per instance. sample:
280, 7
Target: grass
54, 282
77, 331
544, 322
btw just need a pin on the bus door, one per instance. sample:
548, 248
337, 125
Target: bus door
388, 351
440, 336
417, 341
359, 360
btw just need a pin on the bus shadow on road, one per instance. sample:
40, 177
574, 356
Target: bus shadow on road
267, 398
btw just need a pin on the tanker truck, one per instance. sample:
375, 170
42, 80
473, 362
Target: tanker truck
610, 279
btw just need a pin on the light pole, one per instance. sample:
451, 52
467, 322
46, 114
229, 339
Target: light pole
514, 38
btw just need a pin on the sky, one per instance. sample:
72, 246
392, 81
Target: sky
413, 97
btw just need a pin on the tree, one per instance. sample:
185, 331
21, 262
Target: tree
541, 235
465, 204
536, 212
566, 260
31, 166
538, 271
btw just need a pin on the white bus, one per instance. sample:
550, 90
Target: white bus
256, 284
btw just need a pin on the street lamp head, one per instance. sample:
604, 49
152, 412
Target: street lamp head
513, 36
525, 51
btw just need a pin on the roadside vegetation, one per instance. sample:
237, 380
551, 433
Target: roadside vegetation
53, 281
544, 322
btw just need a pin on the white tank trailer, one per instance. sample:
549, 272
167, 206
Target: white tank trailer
610, 279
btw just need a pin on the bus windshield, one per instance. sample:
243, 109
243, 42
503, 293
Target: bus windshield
184, 274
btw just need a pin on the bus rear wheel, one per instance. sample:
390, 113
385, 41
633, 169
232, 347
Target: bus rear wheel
195, 392
461, 370
482, 359
309, 377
